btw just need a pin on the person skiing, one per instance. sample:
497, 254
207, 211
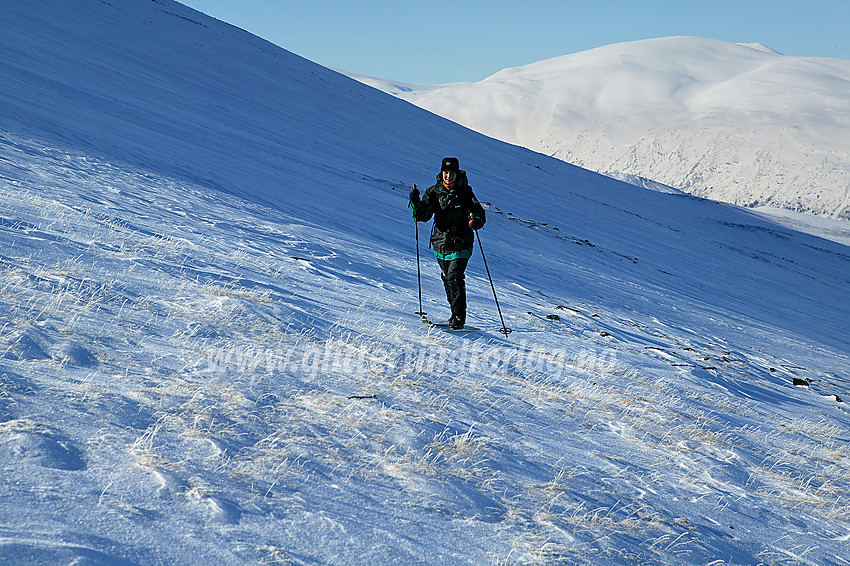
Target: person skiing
457, 213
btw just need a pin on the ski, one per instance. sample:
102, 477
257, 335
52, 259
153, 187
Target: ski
446, 327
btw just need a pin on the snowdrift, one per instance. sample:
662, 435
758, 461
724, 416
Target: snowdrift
209, 353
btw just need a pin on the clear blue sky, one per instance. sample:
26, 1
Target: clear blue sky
438, 41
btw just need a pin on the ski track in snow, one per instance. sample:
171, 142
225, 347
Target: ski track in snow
196, 375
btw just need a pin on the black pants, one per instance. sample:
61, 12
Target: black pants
455, 284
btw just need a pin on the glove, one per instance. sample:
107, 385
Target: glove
475, 223
414, 195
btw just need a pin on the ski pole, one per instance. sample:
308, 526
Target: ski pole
418, 269
504, 329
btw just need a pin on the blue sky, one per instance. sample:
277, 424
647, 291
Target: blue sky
442, 41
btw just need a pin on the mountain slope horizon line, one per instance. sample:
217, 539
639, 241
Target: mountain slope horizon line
739, 123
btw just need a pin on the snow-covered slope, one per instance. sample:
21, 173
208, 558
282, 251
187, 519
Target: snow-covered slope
207, 279
738, 123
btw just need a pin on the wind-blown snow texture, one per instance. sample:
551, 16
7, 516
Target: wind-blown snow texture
738, 123
207, 279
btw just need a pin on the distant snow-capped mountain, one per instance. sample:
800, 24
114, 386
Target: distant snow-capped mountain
210, 351
734, 122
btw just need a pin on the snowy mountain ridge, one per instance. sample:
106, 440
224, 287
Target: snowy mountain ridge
739, 123
208, 352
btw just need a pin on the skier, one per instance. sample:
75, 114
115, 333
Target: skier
456, 214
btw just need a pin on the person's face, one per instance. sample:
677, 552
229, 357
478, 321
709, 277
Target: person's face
449, 177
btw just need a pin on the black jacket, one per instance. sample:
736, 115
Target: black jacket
451, 236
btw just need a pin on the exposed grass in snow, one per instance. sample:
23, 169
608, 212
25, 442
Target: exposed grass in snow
208, 356
158, 374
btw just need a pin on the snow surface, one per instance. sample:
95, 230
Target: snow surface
209, 356
739, 123
827, 228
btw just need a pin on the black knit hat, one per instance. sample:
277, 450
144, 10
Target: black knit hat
450, 164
